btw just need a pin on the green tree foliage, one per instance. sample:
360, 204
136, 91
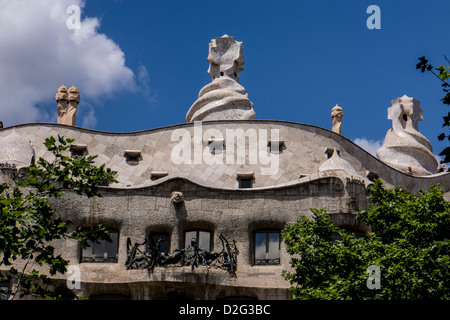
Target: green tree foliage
408, 242
443, 76
29, 224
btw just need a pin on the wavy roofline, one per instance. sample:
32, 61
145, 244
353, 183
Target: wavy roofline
335, 135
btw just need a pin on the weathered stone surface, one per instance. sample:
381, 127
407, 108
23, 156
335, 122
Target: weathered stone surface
236, 214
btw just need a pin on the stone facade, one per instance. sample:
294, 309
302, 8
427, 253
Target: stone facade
317, 169
232, 178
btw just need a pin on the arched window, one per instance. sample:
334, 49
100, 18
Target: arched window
266, 247
102, 250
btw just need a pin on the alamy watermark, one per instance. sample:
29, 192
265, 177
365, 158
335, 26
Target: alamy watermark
374, 21
74, 20
74, 279
210, 146
374, 280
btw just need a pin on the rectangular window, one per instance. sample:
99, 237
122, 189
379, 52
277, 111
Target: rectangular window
132, 156
203, 239
102, 250
245, 183
216, 146
245, 180
266, 248
276, 146
78, 150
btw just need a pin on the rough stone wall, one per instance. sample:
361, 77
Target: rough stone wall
138, 205
235, 213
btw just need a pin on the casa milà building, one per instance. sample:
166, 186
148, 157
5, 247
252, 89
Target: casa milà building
199, 207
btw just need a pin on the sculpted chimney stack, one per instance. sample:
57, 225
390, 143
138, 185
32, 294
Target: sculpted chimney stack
68, 100
336, 117
224, 98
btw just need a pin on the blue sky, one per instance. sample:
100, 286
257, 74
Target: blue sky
301, 59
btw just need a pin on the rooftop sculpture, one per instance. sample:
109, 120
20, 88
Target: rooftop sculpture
336, 118
404, 147
224, 98
68, 100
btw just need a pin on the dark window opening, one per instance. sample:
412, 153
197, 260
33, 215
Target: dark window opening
132, 156
132, 159
216, 146
372, 176
77, 152
245, 183
202, 237
164, 241
102, 250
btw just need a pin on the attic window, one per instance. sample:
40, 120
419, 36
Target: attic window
329, 152
276, 146
245, 180
155, 175
78, 150
216, 146
132, 156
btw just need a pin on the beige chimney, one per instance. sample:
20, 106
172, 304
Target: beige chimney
68, 100
336, 118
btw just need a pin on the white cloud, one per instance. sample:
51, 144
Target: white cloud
38, 52
370, 146
89, 120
